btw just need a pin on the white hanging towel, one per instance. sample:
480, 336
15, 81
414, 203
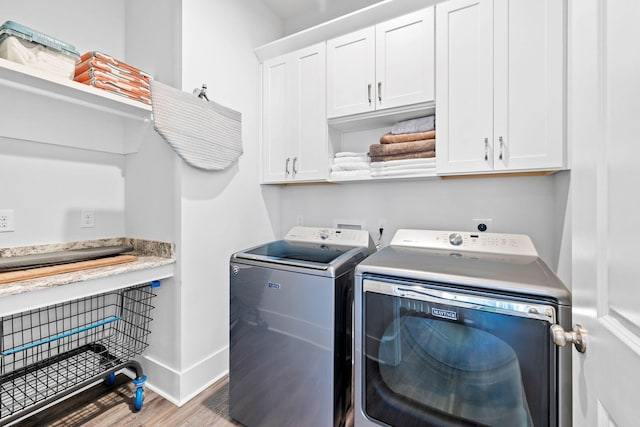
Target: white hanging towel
205, 134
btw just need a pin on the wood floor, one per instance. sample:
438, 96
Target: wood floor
112, 406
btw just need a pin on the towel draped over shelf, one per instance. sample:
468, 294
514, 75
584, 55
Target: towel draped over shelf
205, 134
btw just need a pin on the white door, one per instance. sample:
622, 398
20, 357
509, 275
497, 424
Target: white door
528, 84
276, 128
464, 86
604, 81
351, 73
405, 60
309, 144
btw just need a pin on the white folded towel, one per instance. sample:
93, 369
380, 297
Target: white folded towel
404, 164
364, 159
338, 175
350, 154
403, 172
350, 166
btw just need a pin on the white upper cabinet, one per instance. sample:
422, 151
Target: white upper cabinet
294, 128
388, 65
500, 92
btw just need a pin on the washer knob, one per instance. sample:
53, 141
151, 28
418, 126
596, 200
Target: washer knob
324, 234
455, 239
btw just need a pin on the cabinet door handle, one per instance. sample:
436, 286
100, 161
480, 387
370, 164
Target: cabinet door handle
286, 166
295, 159
486, 149
369, 93
501, 147
380, 91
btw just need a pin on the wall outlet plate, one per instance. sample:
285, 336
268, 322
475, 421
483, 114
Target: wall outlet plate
87, 218
482, 224
7, 220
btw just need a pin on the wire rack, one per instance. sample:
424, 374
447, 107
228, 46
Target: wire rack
50, 352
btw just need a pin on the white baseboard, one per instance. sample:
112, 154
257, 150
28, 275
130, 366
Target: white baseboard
178, 387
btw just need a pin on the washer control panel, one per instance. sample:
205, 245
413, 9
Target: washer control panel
495, 243
336, 236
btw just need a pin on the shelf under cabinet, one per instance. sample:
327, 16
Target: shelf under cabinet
45, 108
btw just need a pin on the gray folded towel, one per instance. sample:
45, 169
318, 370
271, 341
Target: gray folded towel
421, 124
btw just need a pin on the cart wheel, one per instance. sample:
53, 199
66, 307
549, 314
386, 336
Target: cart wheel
110, 379
139, 398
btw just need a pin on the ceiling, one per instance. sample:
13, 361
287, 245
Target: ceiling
288, 9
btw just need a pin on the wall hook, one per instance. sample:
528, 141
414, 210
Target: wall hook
202, 92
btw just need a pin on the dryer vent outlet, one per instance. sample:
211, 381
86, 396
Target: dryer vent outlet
482, 224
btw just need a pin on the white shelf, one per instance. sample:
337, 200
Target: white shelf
381, 118
19, 76
49, 109
428, 174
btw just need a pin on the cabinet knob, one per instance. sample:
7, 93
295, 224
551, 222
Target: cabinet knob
295, 159
286, 166
501, 147
369, 93
380, 92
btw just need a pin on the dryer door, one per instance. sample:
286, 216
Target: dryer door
434, 355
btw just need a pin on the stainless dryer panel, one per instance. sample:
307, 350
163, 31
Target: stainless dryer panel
281, 347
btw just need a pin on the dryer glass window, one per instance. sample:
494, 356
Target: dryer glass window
431, 362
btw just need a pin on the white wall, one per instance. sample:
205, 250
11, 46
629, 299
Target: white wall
47, 185
209, 215
225, 211
525, 205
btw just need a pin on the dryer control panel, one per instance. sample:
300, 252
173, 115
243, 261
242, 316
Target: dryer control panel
494, 243
335, 236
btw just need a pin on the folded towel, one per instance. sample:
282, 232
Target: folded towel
421, 124
405, 172
353, 166
388, 138
417, 155
338, 160
384, 166
205, 134
404, 163
349, 174
349, 154
402, 147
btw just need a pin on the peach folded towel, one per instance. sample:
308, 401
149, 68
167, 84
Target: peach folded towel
389, 138
402, 147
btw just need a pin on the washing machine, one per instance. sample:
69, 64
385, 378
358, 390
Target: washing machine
456, 329
290, 356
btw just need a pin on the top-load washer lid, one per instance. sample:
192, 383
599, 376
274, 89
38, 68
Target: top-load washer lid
506, 263
312, 247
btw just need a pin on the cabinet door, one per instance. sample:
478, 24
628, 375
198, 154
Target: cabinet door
310, 151
405, 60
464, 119
529, 91
276, 127
351, 73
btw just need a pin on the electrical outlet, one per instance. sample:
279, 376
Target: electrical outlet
482, 224
300, 220
7, 220
87, 218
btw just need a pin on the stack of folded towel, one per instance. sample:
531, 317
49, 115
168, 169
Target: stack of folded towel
408, 149
349, 165
104, 72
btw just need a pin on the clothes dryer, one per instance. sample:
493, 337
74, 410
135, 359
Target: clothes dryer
455, 329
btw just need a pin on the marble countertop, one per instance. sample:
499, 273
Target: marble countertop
151, 254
